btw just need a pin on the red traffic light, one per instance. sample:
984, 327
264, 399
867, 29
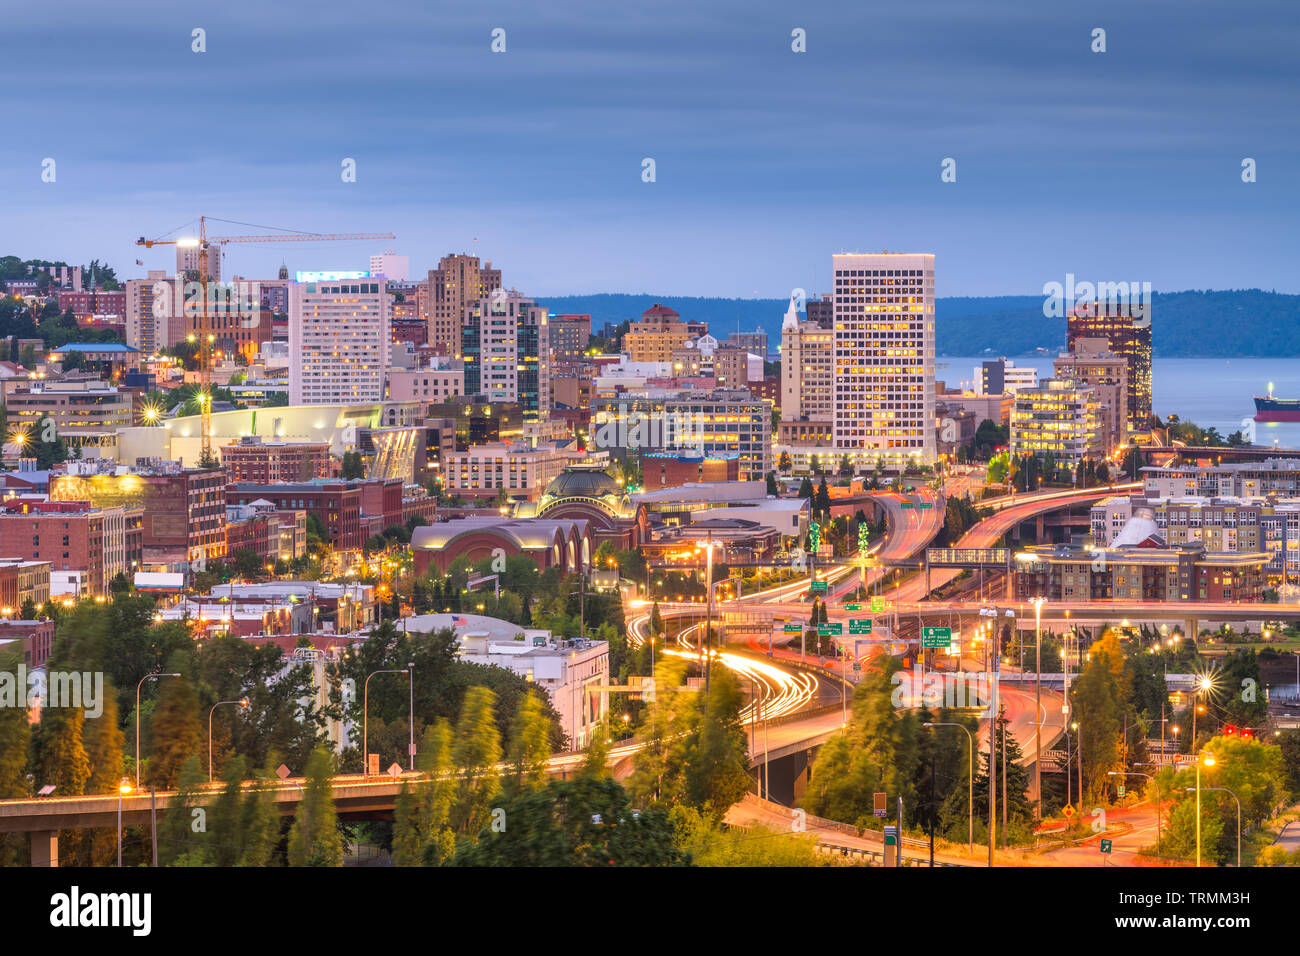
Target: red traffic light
1248, 734
1229, 730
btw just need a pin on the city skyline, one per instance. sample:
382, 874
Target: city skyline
764, 158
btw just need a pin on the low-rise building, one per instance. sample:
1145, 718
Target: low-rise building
1059, 418
569, 671
514, 469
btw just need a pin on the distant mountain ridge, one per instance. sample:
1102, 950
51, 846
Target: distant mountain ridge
1228, 323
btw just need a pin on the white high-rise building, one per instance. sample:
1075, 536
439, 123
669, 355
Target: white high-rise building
339, 334
884, 354
391, 266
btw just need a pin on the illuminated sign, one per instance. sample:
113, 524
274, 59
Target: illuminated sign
329, 276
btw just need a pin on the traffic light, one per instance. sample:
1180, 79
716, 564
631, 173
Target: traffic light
1229, 730
1247, 734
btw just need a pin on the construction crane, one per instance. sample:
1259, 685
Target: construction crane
203, 243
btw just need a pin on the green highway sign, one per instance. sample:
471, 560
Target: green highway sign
1120, 791
853, 607
827, 630
906, 504
925, 504
1106, 846
862, 626
936, 636
819, 587
792, 628
877, 605
857, 666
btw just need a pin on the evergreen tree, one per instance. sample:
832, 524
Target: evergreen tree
15, 733
226, 815
529, 745
177, 729
475, 754
104, 741
314, 838
596, 763
261, 820
182, 827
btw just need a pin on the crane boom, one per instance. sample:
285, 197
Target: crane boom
303, 237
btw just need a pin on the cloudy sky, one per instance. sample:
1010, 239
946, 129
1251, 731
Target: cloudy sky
1123, 165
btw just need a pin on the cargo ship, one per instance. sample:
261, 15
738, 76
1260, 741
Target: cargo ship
1270, 409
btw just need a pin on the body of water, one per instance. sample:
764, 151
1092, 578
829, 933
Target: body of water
1211, 392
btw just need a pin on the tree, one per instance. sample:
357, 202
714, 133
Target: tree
182, 829
584, 822
822, 500
475, 754
353, 467
805, 489
15, 733
529, 746
772, 487
176, 728
314, 838
261, 820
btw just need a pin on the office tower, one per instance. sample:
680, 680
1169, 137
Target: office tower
999, 376
505, 345
187, 262
570, 335
1126, 327
821, 311
807, 369
658, 333
454, 288
1060, 418
1091, 363
391, 266
755, 342
884, 354
339, 339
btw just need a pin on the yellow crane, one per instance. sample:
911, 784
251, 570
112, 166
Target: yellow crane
203, 243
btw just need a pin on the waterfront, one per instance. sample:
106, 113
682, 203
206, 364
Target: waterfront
1212, 392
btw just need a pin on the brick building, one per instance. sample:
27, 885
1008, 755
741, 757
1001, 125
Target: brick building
336, 503
256, 460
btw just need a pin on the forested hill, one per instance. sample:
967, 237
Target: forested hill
1220, 323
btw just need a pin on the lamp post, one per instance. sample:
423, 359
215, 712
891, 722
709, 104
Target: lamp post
1208, 759
410, 720
1238, 802
123, 788
1038, 705
970, 779
1138, 773
137, 719
708, 546
365, 717
242, 702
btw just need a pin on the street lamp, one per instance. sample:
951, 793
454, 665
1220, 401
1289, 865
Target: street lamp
123, 788
365, 716
970, 779
1208, 759
1210, 763
242, 702
1138, 773
137, 720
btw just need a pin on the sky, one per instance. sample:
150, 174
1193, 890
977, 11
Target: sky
1117, 166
